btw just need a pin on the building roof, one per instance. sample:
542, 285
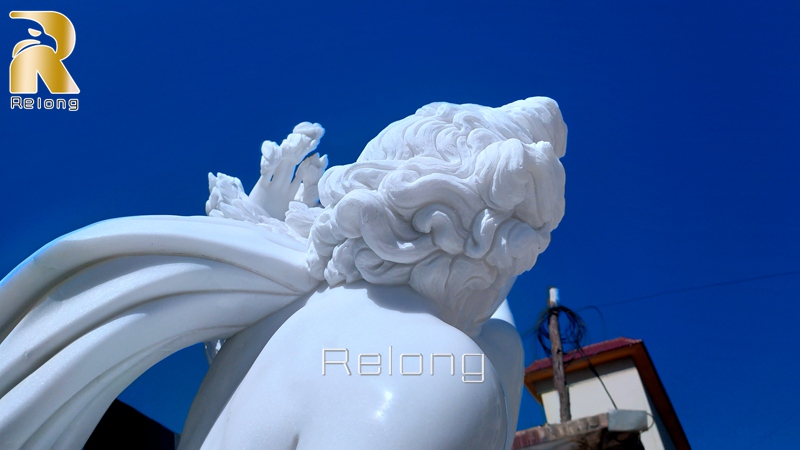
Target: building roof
588, 351
613, 350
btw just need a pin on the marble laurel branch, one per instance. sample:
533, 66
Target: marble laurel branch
454, 201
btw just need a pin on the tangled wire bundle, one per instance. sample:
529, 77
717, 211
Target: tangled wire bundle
573, 336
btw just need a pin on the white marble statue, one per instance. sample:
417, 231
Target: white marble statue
362, 305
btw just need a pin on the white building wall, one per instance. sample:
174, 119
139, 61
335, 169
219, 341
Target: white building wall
588, 398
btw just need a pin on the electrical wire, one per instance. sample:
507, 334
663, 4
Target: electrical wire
774, 430
600, 315
573, 335
698, 288
600, 379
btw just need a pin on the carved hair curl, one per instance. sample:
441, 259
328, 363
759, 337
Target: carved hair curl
454, 201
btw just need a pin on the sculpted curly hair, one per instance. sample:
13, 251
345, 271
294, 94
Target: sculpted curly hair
455, 201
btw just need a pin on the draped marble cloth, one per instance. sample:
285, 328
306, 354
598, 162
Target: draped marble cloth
150, 294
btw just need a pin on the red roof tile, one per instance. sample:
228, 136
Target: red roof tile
589, 350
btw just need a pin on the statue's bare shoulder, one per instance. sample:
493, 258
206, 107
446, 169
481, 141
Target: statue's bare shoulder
406, 405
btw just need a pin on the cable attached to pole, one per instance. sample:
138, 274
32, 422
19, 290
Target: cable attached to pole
571, 338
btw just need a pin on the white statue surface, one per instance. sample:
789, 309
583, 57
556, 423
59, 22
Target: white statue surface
360, 306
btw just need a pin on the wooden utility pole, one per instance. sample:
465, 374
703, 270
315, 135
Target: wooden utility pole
557, 355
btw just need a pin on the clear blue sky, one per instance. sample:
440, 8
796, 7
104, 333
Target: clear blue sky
682, 160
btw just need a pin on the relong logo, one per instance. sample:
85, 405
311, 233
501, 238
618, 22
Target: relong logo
32, 59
